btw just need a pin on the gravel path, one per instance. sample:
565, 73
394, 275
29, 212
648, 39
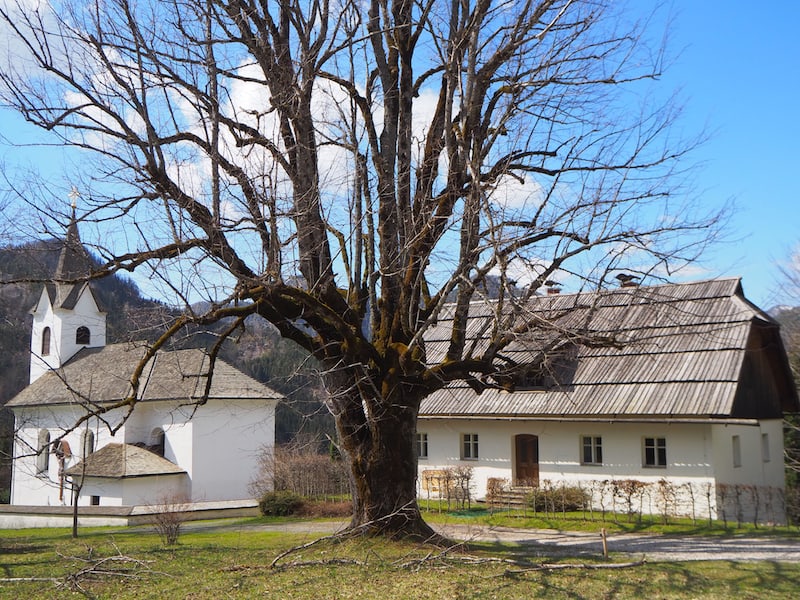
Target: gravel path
653, 547
548, 542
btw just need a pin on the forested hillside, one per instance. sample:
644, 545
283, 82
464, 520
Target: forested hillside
258, 351
789, 318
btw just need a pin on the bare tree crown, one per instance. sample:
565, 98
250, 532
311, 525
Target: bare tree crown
343, 169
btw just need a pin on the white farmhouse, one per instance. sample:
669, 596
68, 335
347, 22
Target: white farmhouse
681, 387
188, 435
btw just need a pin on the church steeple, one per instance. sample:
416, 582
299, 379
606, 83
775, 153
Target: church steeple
73, 268
67, 317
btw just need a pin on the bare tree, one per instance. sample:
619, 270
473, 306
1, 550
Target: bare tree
345, 169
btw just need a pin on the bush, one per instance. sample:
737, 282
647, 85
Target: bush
169, 514
280, 504
558, 499
303, 469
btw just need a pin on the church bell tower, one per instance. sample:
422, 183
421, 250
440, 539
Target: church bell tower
67, 316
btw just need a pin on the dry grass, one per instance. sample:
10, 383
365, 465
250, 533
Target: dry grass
233, 562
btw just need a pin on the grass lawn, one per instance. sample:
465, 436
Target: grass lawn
584, 521
233, 562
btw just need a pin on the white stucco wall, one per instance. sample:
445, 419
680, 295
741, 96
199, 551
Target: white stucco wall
698, 454
218, 446
29, 487
229, 437
137, 491
63, 327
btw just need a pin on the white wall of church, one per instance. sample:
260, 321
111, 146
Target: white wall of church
32, 486
229, 436
137, 491
218, 446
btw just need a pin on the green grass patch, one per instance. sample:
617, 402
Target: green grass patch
579, 521
232, 559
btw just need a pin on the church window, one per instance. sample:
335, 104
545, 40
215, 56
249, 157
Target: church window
43, 455
87, 442
157, 442
46, 341
82, 336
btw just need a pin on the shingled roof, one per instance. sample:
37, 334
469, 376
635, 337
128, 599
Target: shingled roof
73, 265
679, 351
117, 461
102, 375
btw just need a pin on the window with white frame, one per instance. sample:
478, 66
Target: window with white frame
469, 446
591, 450
422, 445
736, 447
765, 455
655, 452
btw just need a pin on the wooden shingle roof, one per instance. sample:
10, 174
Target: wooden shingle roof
117, 461
680, 351
101, 375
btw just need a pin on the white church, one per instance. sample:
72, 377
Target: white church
180, 439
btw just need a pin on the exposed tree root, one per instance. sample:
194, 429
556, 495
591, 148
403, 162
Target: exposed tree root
371, 528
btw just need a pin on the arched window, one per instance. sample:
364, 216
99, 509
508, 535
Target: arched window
46, 341
82, 336
87, 442
157, 442
43, 455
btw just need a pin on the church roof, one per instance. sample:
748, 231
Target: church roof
117, 461
74, 261
102, 375
72, 272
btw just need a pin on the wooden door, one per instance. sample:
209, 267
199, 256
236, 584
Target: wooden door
527, 460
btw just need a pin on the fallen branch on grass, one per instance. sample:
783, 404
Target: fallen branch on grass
95, 569
29, 579
561, 566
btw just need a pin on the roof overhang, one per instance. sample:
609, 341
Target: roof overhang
613, 419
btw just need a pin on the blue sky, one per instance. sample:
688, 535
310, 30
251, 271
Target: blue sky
738, 72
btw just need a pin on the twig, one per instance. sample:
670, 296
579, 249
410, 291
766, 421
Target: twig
326, 562
285, 553
28, 579
588, 566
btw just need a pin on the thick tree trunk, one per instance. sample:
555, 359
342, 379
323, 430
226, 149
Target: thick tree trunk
383, 468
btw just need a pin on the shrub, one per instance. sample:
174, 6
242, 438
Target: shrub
280, 504
169, 513
559, 499
301, 468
